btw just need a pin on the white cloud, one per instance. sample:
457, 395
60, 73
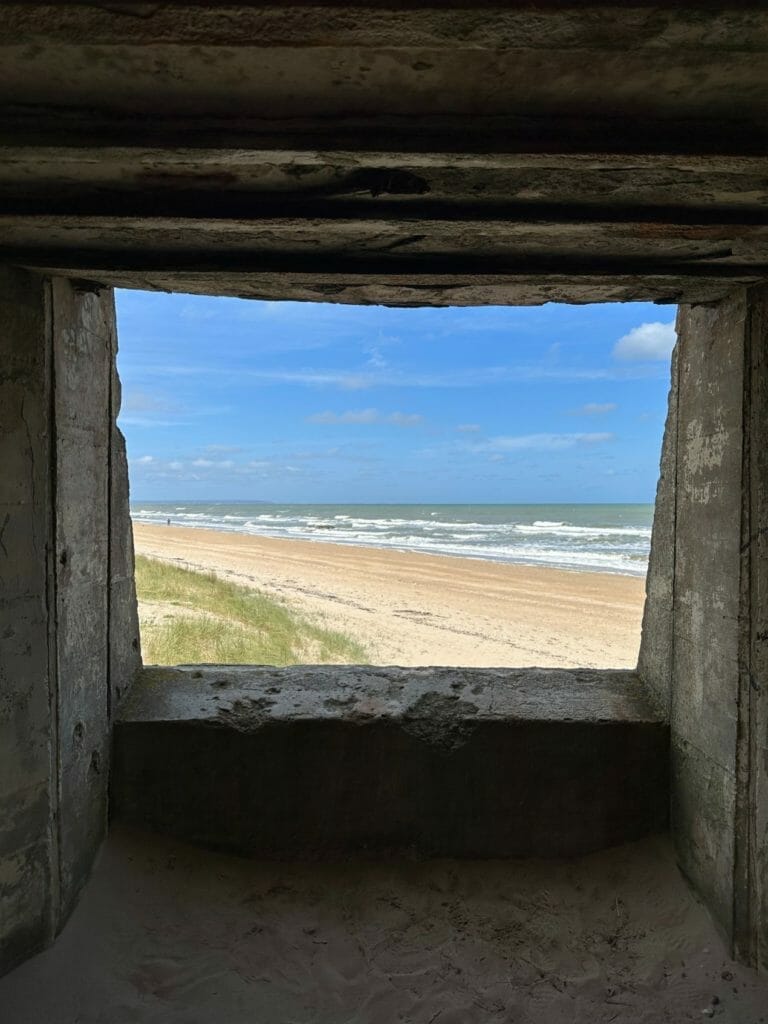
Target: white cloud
143, 401
647, 342
468, 428
222, 449
405, 419
198, 311
144, 409
596, 409
145, 460
375, 359
350, 416
357, 416
542, 442
213, 463
148, 422
359, 380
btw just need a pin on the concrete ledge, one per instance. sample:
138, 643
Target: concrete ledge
337, 761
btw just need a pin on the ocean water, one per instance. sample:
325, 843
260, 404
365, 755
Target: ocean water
601, 538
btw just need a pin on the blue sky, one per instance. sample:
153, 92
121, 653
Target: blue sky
231, 399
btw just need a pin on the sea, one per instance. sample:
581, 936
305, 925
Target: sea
582, 538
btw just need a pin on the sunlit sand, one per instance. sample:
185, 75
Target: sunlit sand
413, 609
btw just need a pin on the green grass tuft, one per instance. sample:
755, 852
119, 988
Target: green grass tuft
216, 621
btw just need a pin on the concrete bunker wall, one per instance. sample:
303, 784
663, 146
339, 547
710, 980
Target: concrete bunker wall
68, 625
705, 629
69, 635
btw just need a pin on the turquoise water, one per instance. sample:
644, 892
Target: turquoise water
603, 538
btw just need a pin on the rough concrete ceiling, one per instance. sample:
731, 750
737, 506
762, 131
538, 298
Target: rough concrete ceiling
389, 152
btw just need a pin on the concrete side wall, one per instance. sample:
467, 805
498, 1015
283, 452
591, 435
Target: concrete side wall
28, 840
707, 588
124, 643
751, 925
657, 648
704, 641
64, 597
82, 349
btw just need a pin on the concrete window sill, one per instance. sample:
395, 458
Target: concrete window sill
328, 761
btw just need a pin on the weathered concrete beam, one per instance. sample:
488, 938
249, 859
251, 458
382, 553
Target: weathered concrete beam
44, 125
399, 286
393, 264
391, 291
407, 248
652, 178
176, 207
441, 23
337, 761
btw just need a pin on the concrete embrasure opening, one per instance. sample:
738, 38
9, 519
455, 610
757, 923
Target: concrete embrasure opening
447, 487
469, 761
405, 154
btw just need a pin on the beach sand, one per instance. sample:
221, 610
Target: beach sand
166, 934
414, 609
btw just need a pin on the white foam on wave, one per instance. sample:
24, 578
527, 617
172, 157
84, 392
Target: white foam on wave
567, 530
615, 561
554, 543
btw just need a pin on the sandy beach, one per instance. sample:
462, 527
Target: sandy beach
415, 609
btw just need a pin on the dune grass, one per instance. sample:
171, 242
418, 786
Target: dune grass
203, 618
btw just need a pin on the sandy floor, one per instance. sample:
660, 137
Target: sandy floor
166, 934
414, 609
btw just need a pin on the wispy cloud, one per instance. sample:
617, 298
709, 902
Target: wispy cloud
651, 341
148, 409
595, 409
146, 402
541, 442
148, 421
468, 428
222, 449
352, 380
350, 416
405, 419
212, 470
213, 463
375, 359
360, 416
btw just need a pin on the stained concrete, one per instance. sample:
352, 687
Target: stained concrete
704, 632
319, 762
28, 856
56, 610
387, 152
656, 659
752, 764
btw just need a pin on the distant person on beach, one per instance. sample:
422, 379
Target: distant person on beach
168, 522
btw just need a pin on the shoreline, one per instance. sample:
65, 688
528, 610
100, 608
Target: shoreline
412, 608
396, 550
